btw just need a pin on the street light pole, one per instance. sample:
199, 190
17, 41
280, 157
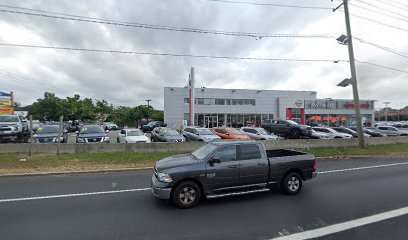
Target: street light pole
354, 77
386, 111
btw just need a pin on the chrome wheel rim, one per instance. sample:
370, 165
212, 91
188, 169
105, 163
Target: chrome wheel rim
187, 195
293, 184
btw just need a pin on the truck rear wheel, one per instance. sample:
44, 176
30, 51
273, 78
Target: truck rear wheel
186, 195
292, 183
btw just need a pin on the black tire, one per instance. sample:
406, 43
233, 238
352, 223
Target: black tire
186, 195
20, 138
295, 133
291, 184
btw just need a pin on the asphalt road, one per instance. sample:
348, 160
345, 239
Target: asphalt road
120, 206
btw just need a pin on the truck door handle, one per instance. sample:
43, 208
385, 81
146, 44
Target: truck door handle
233, 166
261, 164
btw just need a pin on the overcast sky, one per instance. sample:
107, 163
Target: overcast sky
129, 79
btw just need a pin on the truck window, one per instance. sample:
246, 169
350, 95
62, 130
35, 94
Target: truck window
249, 151
227, 153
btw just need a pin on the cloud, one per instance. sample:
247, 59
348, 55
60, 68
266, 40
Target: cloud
129, 79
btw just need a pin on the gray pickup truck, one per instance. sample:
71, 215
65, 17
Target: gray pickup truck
229, 168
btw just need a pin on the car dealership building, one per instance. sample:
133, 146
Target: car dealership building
243, 107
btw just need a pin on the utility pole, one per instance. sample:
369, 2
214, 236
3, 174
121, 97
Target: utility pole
353, 79
148, 102
386, 111
191, 83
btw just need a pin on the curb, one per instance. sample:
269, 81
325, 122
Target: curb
75, 172
149, 168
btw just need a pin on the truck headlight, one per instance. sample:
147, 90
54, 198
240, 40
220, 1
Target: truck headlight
164, 177
106, 139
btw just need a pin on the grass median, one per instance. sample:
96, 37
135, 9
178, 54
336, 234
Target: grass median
45, 163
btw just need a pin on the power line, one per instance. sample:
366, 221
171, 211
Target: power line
170, 54
381, 66
378, 22
380, 12
383, 10
31, 81
271, 4
402, 54
393, 3
152, 26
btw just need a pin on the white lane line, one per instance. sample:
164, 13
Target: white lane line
72, 195
362, 168
320, 232
146, 189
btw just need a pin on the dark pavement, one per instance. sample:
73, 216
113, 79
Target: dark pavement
329, 199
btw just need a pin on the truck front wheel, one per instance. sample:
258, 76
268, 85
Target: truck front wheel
292, 183
186, 195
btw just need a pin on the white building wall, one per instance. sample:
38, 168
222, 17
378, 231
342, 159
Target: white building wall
266, 102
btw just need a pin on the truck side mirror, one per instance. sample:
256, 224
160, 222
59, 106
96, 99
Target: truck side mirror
214, 160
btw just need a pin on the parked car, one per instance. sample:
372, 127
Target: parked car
50, 134
371, 131
92, 134
390, 131
13, 128
258, 133
332, 133
229, 168
110, 126
151, 125
287, 128
36, 124
132, 135
349, 131
166, 134
320, 135
229, 133
199, 134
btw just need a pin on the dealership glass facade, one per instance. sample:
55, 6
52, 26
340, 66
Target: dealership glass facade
221, 101
230, 120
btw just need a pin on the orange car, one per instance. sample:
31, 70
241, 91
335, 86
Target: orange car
229, 133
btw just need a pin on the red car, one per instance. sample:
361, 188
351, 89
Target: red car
229, 133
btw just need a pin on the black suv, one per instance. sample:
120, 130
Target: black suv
287, 128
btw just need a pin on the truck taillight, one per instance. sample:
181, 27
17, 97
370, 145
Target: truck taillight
314, 165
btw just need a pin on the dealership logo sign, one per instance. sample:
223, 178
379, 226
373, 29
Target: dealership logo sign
299, 103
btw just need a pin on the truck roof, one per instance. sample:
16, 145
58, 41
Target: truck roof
226, 142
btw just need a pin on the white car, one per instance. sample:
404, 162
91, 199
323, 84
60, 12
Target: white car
332, 133
132, 135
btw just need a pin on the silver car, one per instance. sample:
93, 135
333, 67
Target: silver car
199, 134
391, 131
332, 133
321, 135
258, 133
132, 135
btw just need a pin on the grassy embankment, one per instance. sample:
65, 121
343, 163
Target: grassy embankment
38, 163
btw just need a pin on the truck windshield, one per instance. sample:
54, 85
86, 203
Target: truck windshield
203, 151
9, 119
